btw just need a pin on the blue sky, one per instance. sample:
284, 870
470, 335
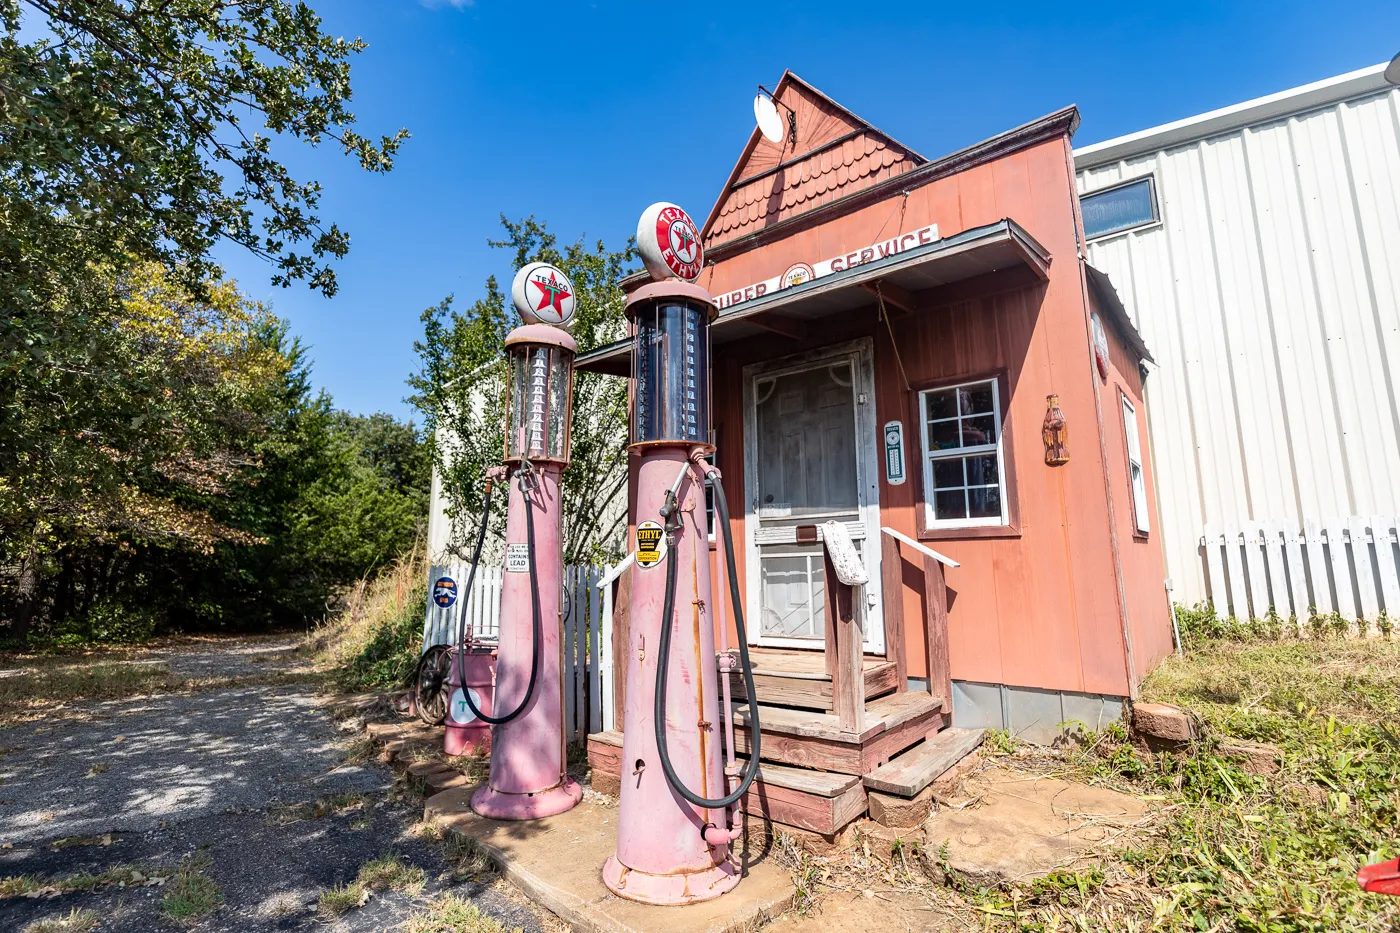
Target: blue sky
584, 113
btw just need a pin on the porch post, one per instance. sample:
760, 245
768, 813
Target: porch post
844, 617
892, 578
940, 679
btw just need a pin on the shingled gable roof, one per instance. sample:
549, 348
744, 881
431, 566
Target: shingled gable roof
837, 154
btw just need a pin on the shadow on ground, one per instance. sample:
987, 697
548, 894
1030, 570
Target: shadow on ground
154, 780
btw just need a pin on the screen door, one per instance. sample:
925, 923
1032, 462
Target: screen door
807, 464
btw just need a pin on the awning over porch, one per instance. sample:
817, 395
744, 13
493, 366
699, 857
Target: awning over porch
901, 278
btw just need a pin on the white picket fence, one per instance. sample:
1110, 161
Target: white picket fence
1350, 566
587, 636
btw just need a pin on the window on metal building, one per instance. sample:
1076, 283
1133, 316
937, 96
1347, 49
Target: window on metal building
1122, 207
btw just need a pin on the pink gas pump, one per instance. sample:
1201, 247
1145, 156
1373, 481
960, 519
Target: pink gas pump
675, 825
528, 778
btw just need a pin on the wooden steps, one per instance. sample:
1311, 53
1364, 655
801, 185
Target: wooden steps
799, 679
812, 800
908, 774
815, 740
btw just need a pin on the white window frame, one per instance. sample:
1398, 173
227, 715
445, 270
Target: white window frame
929, 456
1137, 482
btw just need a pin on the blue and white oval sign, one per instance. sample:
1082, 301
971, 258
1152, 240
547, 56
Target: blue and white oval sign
444, 592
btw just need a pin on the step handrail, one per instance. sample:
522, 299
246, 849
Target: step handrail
942, 559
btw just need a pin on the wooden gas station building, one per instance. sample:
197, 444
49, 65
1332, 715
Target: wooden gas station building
890, 330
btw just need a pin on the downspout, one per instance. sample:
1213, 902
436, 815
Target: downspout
1079, 247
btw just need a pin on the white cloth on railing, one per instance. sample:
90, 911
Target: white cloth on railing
850, 569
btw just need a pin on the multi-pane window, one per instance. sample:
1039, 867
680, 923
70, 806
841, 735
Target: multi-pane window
1135, 477
1120, 208
964, 479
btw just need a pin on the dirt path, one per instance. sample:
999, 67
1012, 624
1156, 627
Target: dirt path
224, 781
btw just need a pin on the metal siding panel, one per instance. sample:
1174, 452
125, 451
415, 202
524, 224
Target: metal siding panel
1269, 287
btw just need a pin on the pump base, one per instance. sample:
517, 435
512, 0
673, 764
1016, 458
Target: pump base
500, 805
669, 890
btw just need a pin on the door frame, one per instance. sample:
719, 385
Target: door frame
866, 528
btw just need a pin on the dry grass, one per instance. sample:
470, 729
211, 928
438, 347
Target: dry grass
127, 875
453, 914
76, 921
49, 684
387, 873
375, 642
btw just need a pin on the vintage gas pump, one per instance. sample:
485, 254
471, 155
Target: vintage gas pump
528, 778
674, 822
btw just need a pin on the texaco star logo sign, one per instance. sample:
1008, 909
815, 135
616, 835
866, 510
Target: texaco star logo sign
669, 243
543, 295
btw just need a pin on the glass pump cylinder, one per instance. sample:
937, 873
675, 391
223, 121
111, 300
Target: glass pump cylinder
671, 365
539, 393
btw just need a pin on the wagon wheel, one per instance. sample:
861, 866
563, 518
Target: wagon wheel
431, 684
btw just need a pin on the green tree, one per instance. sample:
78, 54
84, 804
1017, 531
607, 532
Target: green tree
460, 388
143, 130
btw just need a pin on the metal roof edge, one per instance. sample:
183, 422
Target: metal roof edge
1333, 90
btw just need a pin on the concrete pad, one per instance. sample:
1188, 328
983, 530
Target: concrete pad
869, 912
1025, 827
558, 862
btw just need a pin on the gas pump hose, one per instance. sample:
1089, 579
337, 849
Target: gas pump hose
663, 664
534, 604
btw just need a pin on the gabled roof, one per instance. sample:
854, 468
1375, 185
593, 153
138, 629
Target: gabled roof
837, 153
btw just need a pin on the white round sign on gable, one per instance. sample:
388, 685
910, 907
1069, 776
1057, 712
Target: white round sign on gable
669, 243
543, 295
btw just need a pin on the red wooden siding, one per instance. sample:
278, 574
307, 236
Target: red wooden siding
1039, 607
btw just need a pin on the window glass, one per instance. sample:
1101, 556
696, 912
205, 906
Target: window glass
963, 479
1136, 481
1118, 209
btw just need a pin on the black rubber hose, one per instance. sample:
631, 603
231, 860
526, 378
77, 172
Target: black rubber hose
535, 605
664, 658
471, 574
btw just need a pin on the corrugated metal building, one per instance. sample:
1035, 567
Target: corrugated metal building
1257, 249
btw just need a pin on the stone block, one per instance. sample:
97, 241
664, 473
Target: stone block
421, 769
447, 779
1160, 721
900, 812
1254, 757
605, 783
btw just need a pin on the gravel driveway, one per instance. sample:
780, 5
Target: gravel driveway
156, 780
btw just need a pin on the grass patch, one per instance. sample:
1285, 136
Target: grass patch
453, 914
83, 882
468, 859
318, 808
376, 642
389, 872
77, 921
52, 682
1235, 851
191, 895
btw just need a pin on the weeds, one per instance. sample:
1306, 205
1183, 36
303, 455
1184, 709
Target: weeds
1234, 850
469, 860
376, 642
282, 815
453, 914
82, 882
77, 921
389, 872
191, 895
